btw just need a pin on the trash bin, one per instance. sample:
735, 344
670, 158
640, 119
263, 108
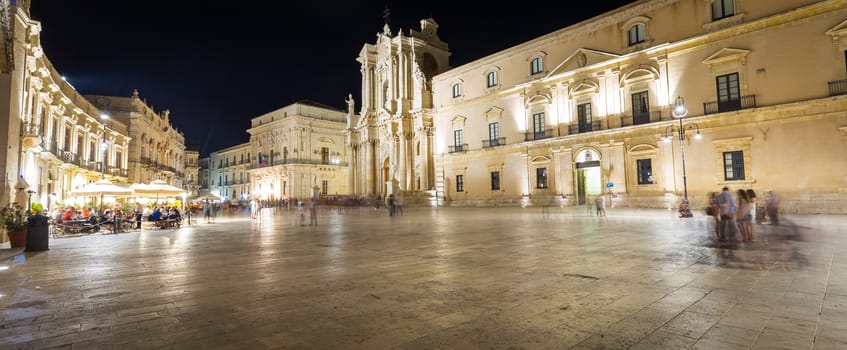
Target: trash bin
37, 233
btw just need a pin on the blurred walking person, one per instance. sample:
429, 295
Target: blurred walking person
754, 214
772, 207
727, 203
714, 210
313, 212
742, 215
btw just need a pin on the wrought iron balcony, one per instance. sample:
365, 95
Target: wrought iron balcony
638, 118
116, 171
457, 148
30, 129
583, 127
838, 87
744, 102
500, 141
538, 135
285, 161
67, 156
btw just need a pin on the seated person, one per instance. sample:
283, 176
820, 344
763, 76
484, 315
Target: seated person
156, 215
68, 215
174, 214
107, 218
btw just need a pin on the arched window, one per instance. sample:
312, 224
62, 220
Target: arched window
536, 66
457, 90
637, 33
492, 79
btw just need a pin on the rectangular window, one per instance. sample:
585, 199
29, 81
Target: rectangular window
325, 155
458, 140
492, 79
324, 187
535, 66
119, 159
729, 94
495, 180
460, 183
645, 171
733, 165
493, 134
640, 108
541, 178
457, 90
583, 112
722, 9
92, 151
538, 123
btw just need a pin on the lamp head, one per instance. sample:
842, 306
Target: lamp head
104, 116
679, 110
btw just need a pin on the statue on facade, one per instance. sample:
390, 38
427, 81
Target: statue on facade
351, 104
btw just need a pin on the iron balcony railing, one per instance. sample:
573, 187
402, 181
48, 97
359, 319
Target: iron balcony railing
744, 102
539, 135
285, 161
67, 156
838, 87
583, 127
638, 118
116, 171
30, 129
500, 141
457, 148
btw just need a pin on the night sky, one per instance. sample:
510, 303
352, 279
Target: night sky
216, 65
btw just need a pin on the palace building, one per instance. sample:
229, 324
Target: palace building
591, 109
54, 139
298, 152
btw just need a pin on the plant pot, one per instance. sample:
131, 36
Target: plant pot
17, 239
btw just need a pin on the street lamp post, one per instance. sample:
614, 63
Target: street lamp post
679, 112
103, 145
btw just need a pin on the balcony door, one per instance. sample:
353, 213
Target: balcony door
729, 93
640, 108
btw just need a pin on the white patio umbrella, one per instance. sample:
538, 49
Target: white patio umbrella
101, 188
155, 189
205, 197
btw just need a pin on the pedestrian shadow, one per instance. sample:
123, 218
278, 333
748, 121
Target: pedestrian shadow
775, 248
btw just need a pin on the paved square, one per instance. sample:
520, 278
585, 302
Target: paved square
459, 278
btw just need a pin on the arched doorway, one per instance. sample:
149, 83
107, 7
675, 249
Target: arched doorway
589, 182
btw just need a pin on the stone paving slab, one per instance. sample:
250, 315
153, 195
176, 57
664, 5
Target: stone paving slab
434, 278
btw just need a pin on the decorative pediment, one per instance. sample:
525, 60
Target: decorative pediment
540, 160
585, 87
580, 58
642, 73
494, 113
727, 55
838, 31
327, 140
458, 122
643, 148
540, 97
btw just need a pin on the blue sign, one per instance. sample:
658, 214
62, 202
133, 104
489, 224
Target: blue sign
610, 185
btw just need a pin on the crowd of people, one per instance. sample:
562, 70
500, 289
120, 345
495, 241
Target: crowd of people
734, 214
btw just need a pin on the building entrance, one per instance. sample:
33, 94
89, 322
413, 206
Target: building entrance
588, 176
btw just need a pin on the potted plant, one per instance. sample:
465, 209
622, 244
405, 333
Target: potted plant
14, 221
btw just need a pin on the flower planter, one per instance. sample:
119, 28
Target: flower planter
17, 239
